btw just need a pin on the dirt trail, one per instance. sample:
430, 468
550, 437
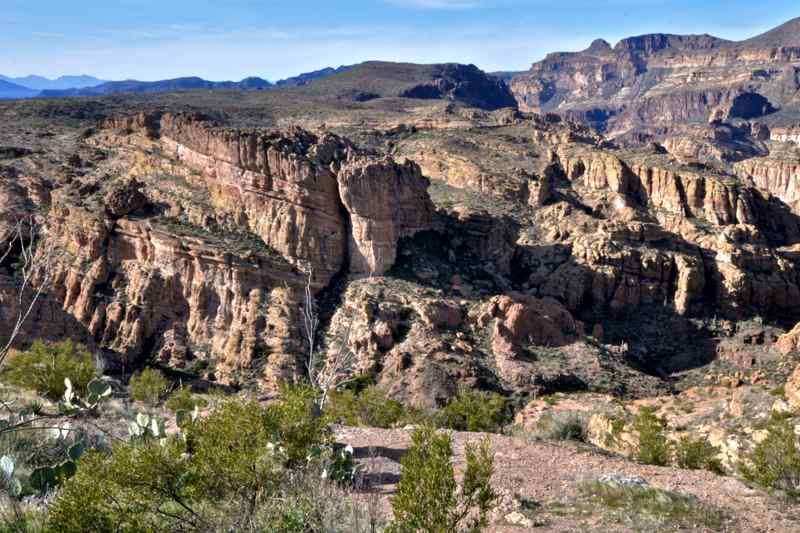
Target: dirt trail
550, 474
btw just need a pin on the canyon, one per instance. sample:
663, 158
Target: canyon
617, 228
654, 84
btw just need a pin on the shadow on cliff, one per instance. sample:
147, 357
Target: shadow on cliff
48, 321
649, 333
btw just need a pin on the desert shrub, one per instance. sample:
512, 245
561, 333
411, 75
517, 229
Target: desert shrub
562, 426
428, 498
779, 391
145, 487
233, 449
309, 503
15, 518
697, 454
148, 386
654, 448
44, 366
183, 400
369, 407
475, 411
237, 466
650, 508
297, 422
774, 463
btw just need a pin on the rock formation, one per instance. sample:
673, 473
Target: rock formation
658, 81
144, 283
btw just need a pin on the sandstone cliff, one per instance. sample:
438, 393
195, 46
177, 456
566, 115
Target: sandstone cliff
149, 276
659, 81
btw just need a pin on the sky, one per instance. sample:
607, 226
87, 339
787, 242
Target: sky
274, 39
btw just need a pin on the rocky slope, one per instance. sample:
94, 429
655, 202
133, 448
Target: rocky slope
445, 244
654, 82
539, 486
173, 266
466, 84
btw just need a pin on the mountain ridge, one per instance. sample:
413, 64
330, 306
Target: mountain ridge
41, 83
145, 87
10, 90
652, 82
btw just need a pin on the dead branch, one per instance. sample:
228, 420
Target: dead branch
326, 373
31, 261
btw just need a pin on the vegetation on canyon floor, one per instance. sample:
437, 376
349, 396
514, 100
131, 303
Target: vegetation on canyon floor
189, 462
239, 464
603, 301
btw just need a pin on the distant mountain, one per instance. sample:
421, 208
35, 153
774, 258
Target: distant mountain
12, 90
308, 77
650, 83
507, 75
162, 86
785, 35
39, 83
466, 84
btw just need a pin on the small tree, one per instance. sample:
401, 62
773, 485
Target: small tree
654, 448
775, 462
324, 374
698, 454
476, 411
428, 497
45, 366
149, 386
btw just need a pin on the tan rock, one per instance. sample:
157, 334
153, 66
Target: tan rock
289, 188
792, 389
440, 315
527, 319
790, 342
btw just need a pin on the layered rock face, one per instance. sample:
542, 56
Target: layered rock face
185, 290
713, 238
657, 81
778, 172
140, 289
643, 227
313, 199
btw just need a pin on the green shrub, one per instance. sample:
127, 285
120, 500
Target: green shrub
775, 463
44, 366
654, 449
183, 400
310, 504
233, 470
148, 386
370, 407
15, 518
297, 422
652, 509
146, 487
233, 450
477, 411
779, 391
697, 454
428, 498
562, 426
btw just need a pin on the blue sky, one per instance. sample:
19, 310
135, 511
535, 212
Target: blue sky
231, 39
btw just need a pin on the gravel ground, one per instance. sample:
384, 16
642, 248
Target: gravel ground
549, 475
